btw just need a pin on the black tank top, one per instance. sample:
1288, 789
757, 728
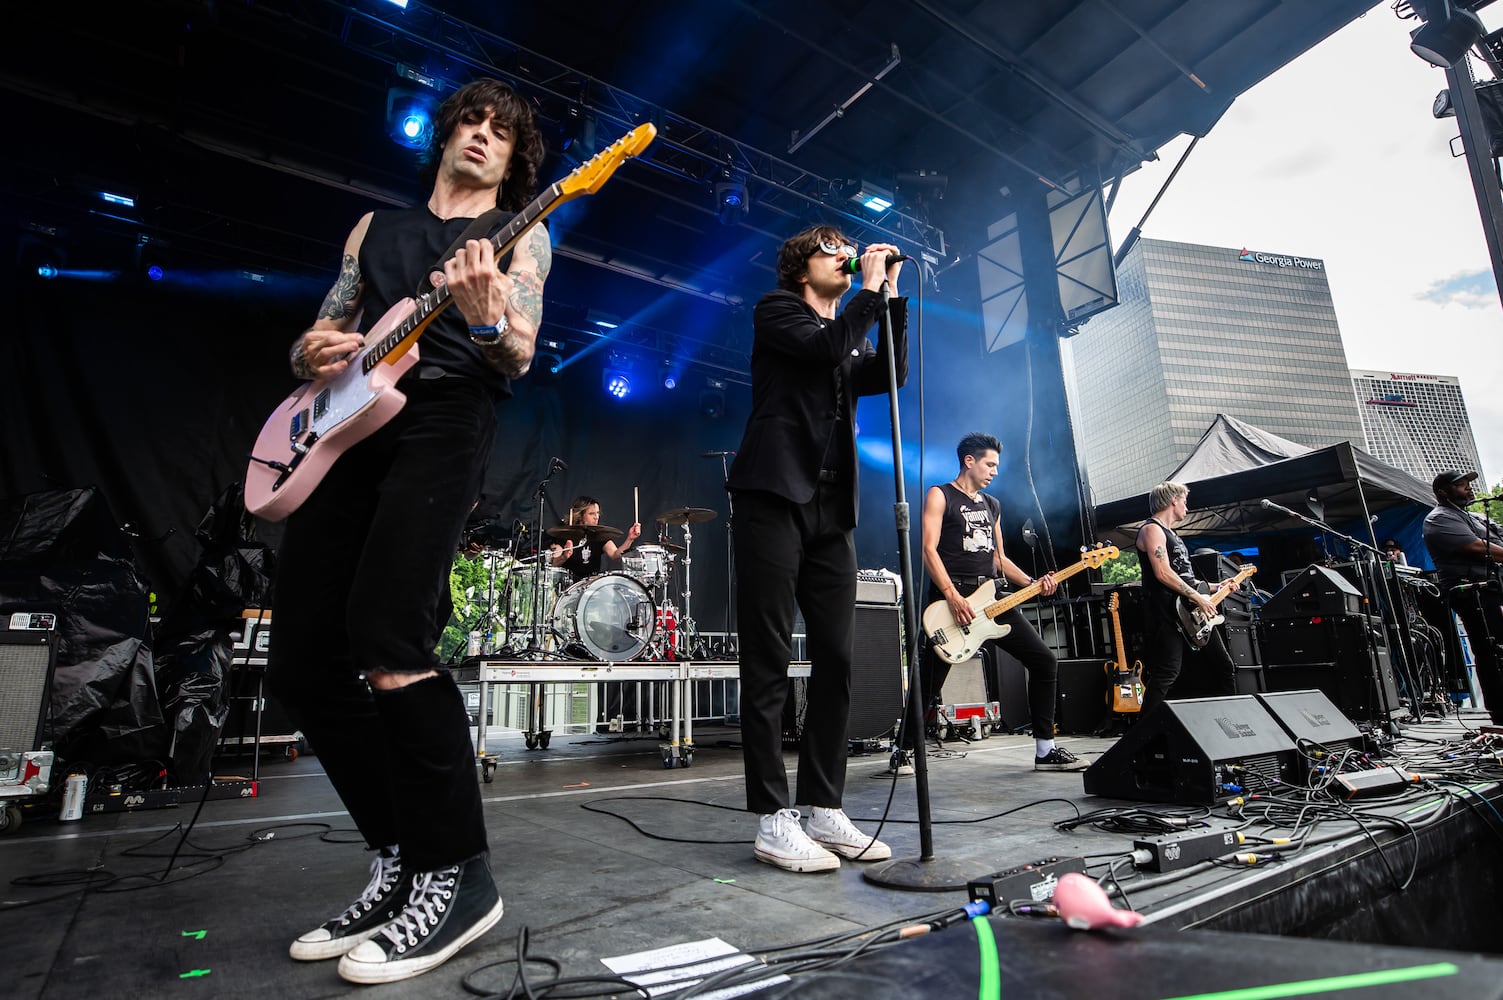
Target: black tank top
399, 248
1158, 596
967, 539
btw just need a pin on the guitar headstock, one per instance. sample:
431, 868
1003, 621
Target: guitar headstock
590, 175
1112, 603
1099, 556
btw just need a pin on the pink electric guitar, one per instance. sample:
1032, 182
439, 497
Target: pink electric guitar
320, 420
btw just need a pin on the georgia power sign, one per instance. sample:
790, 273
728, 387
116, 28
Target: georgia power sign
1279, 260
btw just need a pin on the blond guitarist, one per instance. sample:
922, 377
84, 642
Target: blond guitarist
962, 539
1168, 576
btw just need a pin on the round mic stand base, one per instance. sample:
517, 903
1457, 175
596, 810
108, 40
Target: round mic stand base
918, 875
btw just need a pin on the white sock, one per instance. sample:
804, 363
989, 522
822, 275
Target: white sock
1041, 748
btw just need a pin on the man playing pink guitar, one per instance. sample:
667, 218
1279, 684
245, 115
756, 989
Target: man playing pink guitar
366, 556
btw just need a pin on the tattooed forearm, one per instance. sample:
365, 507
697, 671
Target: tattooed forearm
340, 302
508, 355
542, 252
527, 297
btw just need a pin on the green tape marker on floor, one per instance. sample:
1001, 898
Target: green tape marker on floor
1353, 982
199, 935
988, 971
194, 974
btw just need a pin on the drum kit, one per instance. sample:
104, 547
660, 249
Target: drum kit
629, 614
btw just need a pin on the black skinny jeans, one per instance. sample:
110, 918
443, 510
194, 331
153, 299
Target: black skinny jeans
362, 565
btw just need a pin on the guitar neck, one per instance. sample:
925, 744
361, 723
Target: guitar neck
1117, 638
1226, 592
1029, 592
432, 303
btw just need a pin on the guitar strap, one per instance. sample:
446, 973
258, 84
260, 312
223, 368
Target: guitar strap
478, 229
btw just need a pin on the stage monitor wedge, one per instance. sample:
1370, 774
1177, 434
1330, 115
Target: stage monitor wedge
1316, 591
1195, 752
1309, 716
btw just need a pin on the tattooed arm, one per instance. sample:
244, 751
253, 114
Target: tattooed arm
1154, 544
323, 349
484, 296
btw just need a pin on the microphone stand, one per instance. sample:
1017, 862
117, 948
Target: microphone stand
535, 646
926, 873
730, 647
1365, 569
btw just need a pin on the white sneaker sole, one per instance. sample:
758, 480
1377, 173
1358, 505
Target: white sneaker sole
820, 864
318, 951
879, 851
351, 969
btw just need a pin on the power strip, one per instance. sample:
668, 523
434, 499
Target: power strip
1358, 784
1033, 883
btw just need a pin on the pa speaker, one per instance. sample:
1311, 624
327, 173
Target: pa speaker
1310, 717
1082, 696
28, 654
1195, 752
876, 671
1316, 591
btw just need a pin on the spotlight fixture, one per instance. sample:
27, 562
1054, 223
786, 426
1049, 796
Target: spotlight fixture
412, 108
670, 377
1446, 36
712, 404
617, 384
604, 320
872, 197
732, 200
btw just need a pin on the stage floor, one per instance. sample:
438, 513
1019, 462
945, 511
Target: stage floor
587, 885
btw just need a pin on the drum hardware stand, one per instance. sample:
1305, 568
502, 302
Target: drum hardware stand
729, 650
691, 647
536, 648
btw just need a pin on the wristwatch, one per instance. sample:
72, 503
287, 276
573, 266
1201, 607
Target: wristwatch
486, 336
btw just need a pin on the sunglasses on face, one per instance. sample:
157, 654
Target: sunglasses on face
832, 248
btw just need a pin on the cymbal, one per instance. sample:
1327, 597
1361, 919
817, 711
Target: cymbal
686, 515
670, 546
581, 532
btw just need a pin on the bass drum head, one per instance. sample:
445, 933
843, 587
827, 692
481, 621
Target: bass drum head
608, 617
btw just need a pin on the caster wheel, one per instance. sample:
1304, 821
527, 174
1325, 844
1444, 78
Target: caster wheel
531, 741
292, 753
668, 763
488, 772
543, 739
10, 818
686, 760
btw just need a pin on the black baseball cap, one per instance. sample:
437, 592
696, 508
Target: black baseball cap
1451, 477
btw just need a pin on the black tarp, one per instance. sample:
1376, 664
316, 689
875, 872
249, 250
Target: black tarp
1235, 466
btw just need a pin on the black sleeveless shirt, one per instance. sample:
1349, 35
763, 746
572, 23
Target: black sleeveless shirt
1158, 596
398, 252
967, 537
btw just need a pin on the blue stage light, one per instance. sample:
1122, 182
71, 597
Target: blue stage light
669, 382
47, 271
155, 272
617, 385
410, 115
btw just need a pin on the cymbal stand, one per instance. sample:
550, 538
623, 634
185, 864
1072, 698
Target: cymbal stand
491, 622
688, 631
536, 648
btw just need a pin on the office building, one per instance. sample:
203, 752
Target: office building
1203, 330
1416, 422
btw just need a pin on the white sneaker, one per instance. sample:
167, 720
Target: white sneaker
782, 842
833, 830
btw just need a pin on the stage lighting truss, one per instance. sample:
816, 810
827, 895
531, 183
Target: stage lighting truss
872, 197
732, 199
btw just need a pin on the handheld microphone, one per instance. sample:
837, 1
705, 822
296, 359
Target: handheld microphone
853, 266
1266, 503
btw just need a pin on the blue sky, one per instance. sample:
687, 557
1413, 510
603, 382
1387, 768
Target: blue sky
1337, 156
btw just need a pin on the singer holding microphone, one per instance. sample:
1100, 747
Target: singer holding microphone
1169, 576
795, 490
1467, 551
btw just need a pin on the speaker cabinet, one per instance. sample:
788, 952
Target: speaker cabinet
1311, 717
1081, 696
877, 671
28, 654
1241, 643
1195, 752
1315, 591
1335, 654
1349, 686
1010, 687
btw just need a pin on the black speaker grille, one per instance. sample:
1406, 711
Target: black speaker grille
876, 671
25, 665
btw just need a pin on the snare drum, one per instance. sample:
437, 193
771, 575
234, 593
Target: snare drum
608, 617
652, 564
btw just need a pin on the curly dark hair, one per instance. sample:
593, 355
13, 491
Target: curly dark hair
793, 256
510, 110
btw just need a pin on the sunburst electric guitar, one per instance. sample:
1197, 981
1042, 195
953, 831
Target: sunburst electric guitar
1195, 625
956, 643
320, 420
1126, 691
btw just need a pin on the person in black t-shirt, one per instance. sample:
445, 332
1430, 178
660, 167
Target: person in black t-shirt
1467, 551
1168, 576
583, 559
365, 558
962, 540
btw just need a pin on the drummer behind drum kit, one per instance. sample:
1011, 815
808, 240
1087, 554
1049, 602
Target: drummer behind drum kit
614, 617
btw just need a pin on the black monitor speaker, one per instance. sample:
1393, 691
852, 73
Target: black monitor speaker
877, 672
1311, 717
1315, 591
1195, 752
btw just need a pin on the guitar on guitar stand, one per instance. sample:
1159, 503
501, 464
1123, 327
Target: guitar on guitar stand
1194, 623
1125, 693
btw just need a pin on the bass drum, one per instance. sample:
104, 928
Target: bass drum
608, 617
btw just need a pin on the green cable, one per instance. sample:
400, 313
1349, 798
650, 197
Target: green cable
989, 975
1329, 984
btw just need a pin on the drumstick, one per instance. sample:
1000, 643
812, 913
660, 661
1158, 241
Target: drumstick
636, 513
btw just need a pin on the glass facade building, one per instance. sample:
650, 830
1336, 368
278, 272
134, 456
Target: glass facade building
1417, 423
1204, 330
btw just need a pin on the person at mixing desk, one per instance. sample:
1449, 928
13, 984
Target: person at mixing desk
1467, 550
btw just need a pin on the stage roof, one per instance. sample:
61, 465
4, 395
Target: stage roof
253, 133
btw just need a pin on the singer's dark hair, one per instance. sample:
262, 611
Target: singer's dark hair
473, 102
793, 257
976, 444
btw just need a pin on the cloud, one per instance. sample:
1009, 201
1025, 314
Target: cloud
1469, 289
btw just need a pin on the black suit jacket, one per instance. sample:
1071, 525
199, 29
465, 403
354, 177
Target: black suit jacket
795, 354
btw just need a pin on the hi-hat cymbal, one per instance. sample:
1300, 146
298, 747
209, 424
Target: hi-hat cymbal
670, 546
686, 515
581, 532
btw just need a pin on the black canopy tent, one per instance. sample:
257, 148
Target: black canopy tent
1236, 465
